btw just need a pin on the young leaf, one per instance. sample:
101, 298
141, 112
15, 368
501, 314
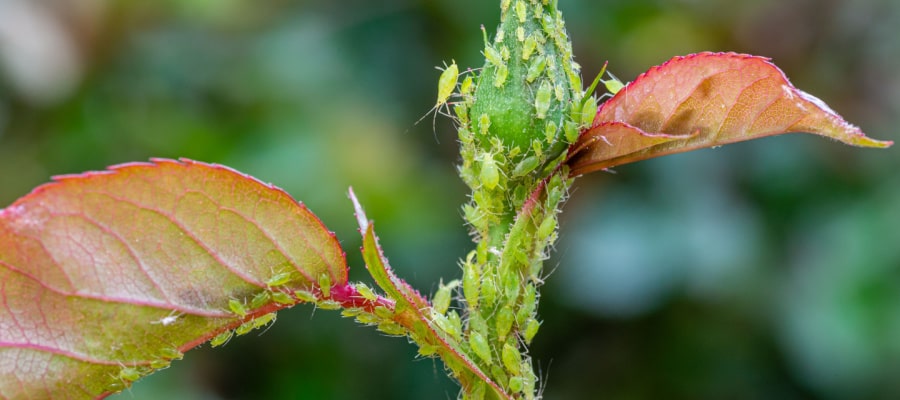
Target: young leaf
411, 309
105, 275
703, 100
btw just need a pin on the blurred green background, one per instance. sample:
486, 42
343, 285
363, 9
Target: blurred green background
763, 270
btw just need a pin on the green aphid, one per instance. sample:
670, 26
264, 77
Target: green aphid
368, 319
512, 359
529, 302
237, 307
477, 324
171, 353
245, 328
490, 172
528, 47
480, 346
261, 299
504, 321
542, 100
588, 111
447, 84
221, 339
471, 284
525, 166
571, 131
488, 291
329, 305
129, 374
160, 364
325, 285
455, 324
366, 292
536, 68
305, 296
501, 75
444, 325
263, 320
391, 328
521, 11
279, 279
484, 124
498, 373
441, 301
531, 329
511, 285
351, 312
384, 312
493, 56
516, 384
428, 350
282, 298
613, 85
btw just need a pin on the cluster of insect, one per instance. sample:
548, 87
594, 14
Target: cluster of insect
276, 292
128, 374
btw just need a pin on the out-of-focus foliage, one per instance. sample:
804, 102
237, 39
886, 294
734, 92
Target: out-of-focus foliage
760, 270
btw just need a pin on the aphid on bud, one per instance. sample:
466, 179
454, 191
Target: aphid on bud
528, 47
525, 166
493, 56
542, 100
221, 339
490, 172
536, 68
520, 36
521, 11
500, 76
484, 124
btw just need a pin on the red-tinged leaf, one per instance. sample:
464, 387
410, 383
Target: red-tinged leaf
106, 276
412, 311
709, 99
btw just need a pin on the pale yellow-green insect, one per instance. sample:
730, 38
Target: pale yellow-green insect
446, 86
